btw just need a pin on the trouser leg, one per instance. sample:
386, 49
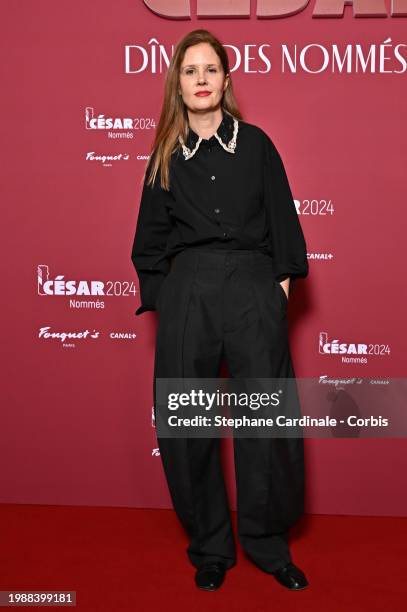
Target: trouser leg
269, 471
189, 345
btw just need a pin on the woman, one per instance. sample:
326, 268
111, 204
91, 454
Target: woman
217, 245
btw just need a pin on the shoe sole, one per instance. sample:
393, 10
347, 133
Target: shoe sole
294, 589
208, 588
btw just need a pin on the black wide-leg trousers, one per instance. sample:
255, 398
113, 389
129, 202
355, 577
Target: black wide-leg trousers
216, 304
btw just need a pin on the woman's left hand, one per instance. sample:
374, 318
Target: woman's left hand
286, 286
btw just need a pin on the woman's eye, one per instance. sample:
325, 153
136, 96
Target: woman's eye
192, 71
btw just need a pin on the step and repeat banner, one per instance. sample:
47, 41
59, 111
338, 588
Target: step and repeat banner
82, 92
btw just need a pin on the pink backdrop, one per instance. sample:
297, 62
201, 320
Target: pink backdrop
76, 413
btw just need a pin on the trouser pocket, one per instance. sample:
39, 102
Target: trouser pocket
283, 293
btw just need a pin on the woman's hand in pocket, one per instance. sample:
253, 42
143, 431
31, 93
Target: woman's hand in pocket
285, 285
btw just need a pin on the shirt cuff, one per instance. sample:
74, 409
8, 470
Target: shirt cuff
144, 308
150, 286
294, 271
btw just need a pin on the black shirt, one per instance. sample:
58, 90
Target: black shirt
222, 199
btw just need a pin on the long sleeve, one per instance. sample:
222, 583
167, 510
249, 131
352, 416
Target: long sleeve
288, 245
150, 240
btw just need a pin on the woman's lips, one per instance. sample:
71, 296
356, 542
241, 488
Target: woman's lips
203, 93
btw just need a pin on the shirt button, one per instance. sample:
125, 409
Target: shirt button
217, 210
213, 177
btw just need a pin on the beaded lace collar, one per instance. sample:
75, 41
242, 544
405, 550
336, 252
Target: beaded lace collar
224, 129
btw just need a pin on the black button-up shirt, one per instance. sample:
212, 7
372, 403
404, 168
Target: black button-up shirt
221, 199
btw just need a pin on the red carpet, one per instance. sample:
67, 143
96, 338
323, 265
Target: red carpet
131, 559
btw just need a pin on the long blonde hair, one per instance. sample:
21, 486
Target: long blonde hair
174, 118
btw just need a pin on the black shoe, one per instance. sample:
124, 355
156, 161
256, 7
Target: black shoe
210, 575
291, 577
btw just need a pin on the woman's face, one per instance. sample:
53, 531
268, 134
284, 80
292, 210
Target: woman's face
201, 71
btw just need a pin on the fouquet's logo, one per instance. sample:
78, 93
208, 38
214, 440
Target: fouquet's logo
271, 9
